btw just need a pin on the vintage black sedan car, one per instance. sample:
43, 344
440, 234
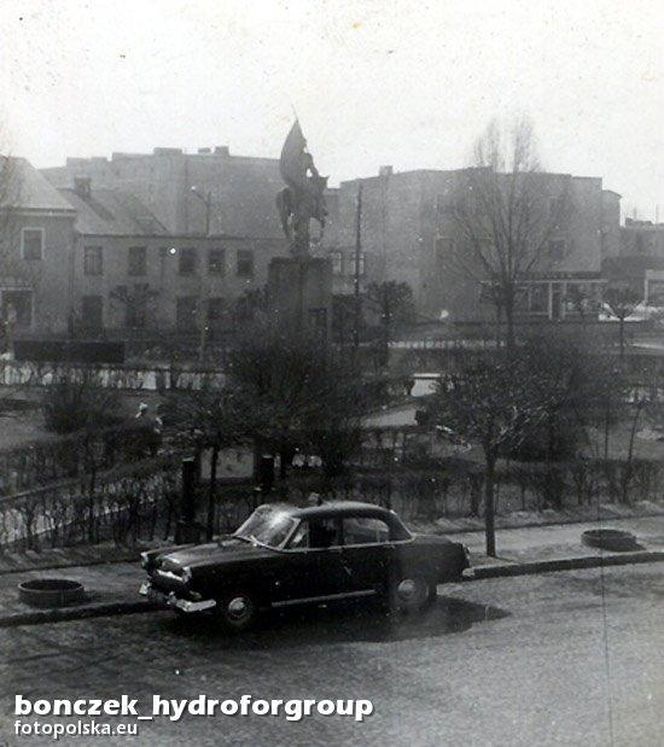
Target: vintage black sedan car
284, 555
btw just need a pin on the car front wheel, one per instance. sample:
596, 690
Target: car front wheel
238, 611
411, 593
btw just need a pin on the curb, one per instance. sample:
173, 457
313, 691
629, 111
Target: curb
65, 614
563, 564
545, 524
106, 609
64, 564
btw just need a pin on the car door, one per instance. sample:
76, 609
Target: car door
314, 564
367, 552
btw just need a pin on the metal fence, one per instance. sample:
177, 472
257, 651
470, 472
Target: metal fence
135, 502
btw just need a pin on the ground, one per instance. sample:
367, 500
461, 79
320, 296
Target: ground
562, 658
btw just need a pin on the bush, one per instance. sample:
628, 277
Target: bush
71, 405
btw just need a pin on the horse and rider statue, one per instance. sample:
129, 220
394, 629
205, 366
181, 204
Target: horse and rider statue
303, 198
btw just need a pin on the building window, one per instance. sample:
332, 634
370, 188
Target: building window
318, 319
337, 259
17, 308
137, 261
32, 244
93, 260
92, 313
488, 292
356, 265
137, 306
186, 313
216, 308
245, 263
187, 261
655, 292
539, 298
557, 249
216, 262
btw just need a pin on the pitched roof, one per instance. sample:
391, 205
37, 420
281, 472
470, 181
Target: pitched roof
24, 187
112, 212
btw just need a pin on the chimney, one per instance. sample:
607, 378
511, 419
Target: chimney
83, 187
385, 171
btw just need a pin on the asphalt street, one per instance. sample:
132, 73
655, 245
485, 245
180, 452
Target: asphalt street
563, 658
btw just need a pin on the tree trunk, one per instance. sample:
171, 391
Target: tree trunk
607, 422
627, 475
509, 328
489, 508
212, 491
475, 492
622, 338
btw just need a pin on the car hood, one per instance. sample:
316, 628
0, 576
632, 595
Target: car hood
225, 551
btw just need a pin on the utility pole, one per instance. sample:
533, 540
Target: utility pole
206, 199
356, 279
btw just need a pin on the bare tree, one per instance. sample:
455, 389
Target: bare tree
621, 300
393, 303
585, 304
507, 212
209, 419
489, 402
137, 303
296, 393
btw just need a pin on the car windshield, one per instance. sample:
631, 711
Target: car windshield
268, 526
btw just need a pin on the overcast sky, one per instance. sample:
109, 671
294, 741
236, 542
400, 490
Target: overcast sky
373, 81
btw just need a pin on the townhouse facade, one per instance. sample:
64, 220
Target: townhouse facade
37, 238
132, 275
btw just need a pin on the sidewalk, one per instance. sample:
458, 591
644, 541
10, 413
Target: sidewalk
112, 586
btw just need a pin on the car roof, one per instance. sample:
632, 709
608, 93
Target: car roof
334, 508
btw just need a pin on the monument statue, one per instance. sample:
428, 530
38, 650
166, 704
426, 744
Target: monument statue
303, 197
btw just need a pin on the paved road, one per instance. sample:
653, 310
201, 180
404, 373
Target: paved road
564, 659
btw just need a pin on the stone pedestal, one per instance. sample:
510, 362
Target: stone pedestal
300, 294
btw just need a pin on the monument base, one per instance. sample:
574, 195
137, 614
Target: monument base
300, 293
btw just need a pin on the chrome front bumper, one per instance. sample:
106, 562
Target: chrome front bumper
186, 605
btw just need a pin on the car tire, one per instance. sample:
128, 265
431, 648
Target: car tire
237, 611
409, 594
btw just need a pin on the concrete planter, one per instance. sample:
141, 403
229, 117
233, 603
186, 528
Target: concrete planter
51, 592
612, 540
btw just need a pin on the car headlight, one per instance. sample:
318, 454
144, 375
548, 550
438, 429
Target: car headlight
186, 574
145, 559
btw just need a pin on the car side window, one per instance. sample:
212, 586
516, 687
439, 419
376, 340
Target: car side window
365, 530
316, 534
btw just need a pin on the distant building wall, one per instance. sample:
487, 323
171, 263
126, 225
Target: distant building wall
409, 235
642, 238
242, 189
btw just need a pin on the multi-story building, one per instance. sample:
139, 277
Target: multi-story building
131, 273
238, 192
36, 245
408, 234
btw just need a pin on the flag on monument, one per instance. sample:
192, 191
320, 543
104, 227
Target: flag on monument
293, 161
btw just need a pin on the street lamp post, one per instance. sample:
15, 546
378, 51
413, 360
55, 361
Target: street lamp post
206, 199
